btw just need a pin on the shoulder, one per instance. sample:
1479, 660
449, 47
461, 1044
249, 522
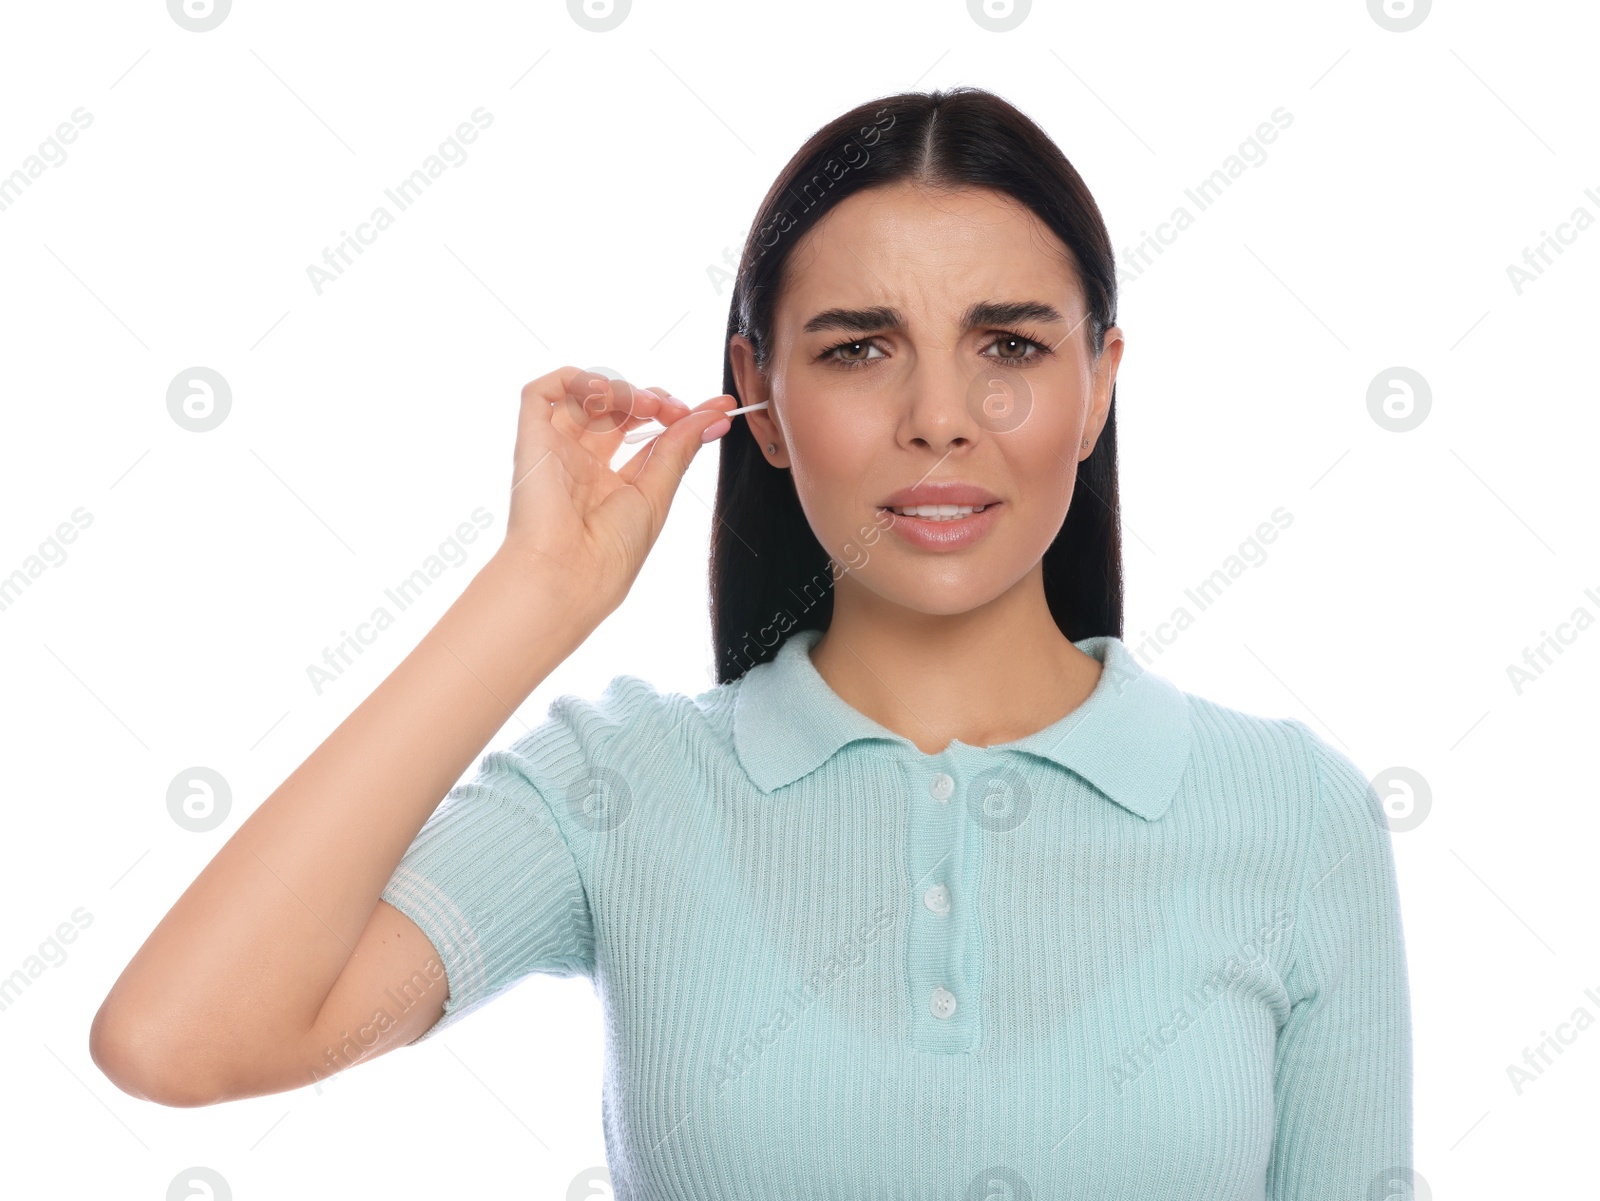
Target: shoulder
1247, 751
1278, 762
630, 719
594, 759
1280, 770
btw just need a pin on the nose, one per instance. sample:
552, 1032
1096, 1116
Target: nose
939, 405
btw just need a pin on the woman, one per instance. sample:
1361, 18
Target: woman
937, 890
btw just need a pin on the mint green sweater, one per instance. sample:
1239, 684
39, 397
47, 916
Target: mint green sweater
1152, 952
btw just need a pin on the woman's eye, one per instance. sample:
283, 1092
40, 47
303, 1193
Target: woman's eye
1016, 348
853, 352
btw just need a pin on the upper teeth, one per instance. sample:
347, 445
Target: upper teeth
939, 512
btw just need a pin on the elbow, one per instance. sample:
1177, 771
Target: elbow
128, 1055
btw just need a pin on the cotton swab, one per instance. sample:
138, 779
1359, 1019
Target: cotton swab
655, 427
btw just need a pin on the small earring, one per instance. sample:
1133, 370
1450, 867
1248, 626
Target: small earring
1086, 444
772, 448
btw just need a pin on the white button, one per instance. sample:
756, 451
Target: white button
937, 898
941, 787
943, 1003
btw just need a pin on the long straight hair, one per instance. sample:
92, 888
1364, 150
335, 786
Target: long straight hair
769, 576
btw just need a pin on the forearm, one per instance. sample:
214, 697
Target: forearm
243, 961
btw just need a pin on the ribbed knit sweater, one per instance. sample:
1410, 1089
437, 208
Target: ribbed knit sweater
1151, 952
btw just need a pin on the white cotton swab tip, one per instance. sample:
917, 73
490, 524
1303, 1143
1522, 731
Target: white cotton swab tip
655, 427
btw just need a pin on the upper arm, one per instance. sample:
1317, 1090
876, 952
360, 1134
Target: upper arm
1343, 1080
392, 989
390, 993
491, 881
487, 894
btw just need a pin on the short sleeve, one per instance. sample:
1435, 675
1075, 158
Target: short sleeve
493, 883
1343, 1073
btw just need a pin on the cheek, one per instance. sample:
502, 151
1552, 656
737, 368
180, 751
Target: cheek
1041, 469
1042, 453
832, 450
828, 471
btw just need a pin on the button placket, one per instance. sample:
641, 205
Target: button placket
939, 847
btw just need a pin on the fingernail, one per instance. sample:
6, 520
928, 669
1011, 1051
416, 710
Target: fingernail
716, 429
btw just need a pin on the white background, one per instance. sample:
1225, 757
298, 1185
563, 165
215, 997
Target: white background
368, 421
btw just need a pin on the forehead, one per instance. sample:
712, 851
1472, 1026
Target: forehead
929, 251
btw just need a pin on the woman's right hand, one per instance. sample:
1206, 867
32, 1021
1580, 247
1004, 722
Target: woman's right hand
574, 521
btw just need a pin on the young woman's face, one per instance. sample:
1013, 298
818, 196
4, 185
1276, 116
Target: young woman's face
925, 338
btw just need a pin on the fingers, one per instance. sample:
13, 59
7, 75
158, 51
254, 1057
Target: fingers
595, 410
540, 398
672, 408
591, 403
551, 386
678, 446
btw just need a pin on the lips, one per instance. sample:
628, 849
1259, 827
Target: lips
944, 492
949, 529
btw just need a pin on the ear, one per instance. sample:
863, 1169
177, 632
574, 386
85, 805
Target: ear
1105, 378
753, 389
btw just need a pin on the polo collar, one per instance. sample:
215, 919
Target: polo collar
1130, 738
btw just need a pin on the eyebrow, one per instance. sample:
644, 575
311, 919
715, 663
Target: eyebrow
984, 312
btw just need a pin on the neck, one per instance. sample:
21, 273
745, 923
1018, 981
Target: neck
990, 675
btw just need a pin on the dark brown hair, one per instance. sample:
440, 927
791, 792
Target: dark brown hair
769, 574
